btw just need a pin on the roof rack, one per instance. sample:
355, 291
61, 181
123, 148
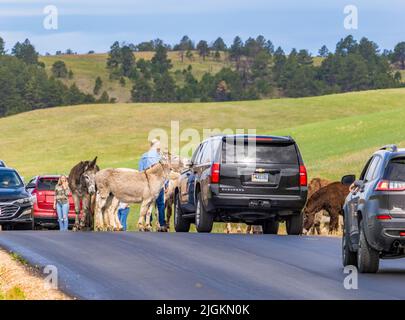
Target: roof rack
392, 147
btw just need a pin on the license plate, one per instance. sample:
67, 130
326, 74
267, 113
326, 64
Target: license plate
260, 177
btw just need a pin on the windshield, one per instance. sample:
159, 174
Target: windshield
10, 179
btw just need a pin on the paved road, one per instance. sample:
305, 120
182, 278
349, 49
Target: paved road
200, 266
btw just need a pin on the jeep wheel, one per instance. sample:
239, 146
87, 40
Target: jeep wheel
203, 219
270, 226
180, 224
368, 259
294, 224
349, 258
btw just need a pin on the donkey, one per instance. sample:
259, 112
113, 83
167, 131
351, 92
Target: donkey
331, 199
129, 186
83, 187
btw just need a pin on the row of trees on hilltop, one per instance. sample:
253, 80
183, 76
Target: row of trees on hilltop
25, 85
258, 70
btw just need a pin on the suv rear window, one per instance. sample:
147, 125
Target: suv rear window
262, 153
47, 184
395, 170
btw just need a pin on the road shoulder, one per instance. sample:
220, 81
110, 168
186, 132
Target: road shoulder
19, 280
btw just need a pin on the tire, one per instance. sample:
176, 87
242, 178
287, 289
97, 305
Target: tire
270, 226
294, 224
368, 259
180, 224
204, 221
349, 258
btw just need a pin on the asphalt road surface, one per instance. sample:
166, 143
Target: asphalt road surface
200, 266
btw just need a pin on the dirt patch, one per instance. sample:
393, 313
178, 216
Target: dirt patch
19, 281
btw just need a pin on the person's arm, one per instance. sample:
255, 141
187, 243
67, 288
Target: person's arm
54, 200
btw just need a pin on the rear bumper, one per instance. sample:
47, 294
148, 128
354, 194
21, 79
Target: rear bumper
382, 234
281, 205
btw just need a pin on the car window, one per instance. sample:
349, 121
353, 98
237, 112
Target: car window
201, 154
363, 173
236, 152
371, 169
395, 170
196, 154
10, 180
207, 152
47, 184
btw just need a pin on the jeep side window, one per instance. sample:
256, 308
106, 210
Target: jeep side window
363, 173
203, 153
371, 169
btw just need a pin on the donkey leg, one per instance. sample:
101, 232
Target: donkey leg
86, 203
76, 200
98, 214
115, 222
149, 212
142, 215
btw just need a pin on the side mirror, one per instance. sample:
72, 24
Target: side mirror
348, 179
188, 163
30, 186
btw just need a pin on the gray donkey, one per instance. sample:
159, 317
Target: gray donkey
83, 186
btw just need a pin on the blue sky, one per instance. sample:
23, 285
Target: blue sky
94, 25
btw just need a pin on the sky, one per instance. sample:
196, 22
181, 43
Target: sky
84, 25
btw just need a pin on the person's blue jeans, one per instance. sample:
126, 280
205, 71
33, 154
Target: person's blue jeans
62, 210
160, 203
122, 216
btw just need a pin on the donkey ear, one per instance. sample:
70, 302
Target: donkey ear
93, 163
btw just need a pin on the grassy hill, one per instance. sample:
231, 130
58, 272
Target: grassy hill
86, 68
336, 133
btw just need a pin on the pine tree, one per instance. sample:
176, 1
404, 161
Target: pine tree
324, 51
203, 49
59, 69
160, 62
97, 86
26, 52
399, 54
165, 88
141, 91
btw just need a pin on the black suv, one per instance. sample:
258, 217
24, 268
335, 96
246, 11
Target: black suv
15, 201
258, 180
374, 211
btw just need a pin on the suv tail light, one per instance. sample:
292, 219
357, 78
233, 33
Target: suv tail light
215, 172
303, 176
383, 217
385, 185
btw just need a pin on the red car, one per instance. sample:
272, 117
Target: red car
44, 215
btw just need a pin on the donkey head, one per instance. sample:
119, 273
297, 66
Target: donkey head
88, 177
165, 160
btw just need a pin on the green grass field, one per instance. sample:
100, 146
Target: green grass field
336, 133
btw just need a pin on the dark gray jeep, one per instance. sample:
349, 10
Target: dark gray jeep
374, 211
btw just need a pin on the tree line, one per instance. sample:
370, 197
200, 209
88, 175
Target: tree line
257, 70
25, 85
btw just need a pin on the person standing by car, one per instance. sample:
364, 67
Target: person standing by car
123, 211
61, 203
149, 159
